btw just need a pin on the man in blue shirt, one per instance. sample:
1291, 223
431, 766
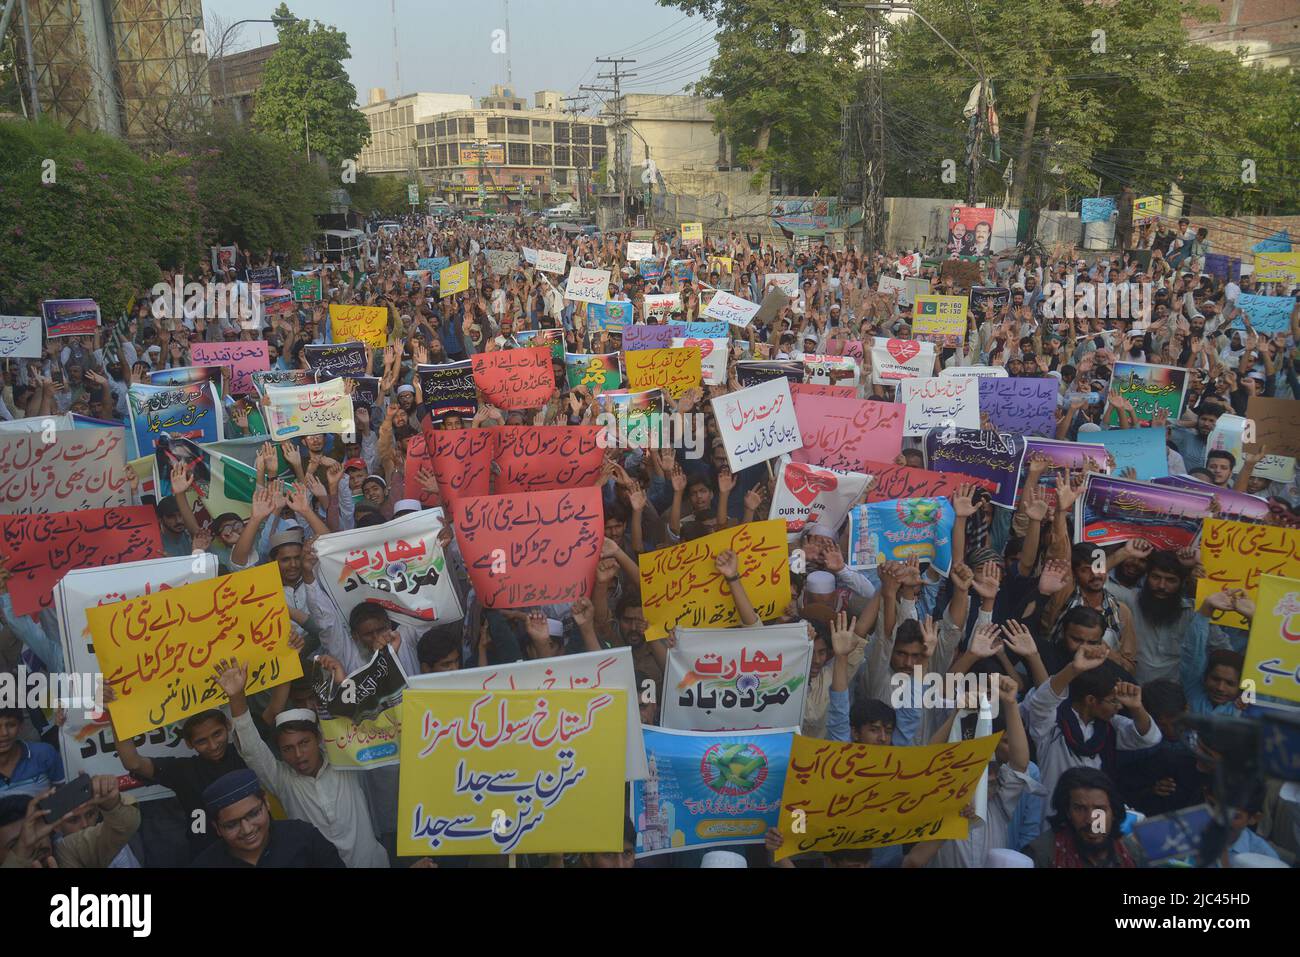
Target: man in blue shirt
1191, 443
25, 768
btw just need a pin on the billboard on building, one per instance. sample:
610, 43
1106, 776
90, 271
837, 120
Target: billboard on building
494, 154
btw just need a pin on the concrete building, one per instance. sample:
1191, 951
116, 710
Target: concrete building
1268, 30
124, 67
676, 131
236, 78
392, 147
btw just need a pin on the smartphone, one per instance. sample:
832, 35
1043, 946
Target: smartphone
66, 797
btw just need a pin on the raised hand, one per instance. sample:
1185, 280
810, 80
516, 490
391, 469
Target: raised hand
1066, 494
988, 579
1035, 502
1130, 695
963, 502
1018, 638
727, 563
263, 503
985, 643
843, 636
961, 576
538, 631
1090, 656
291, 455
583, 612
181, 481
678, 479
232, 677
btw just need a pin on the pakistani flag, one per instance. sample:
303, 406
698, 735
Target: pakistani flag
223, 475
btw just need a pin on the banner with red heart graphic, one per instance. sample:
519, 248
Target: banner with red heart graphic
809, 493
895, 359
713, 358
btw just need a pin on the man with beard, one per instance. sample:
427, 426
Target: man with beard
1163, 617
1086, 814
1191, 443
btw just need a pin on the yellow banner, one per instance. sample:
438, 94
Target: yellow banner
681, 585
676, 371
692, 233
1273, 655
841, 796
1147, 206
1236, 554
368, 324
511, 772
939, 315
366, 744
453, 279
1277, 267
160, 652
720, 264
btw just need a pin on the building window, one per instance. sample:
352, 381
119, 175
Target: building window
467, 125
598, 136
441, 127
541, 131
561, 132
581, 133
517, 127
581, 157
518, 154
496, 125
442, 154
519, 107
454, 156
541, 155
562, 156
597, 157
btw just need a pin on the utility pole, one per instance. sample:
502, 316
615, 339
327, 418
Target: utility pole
397, 63
618, 115
873, 160
481, 144
579, 105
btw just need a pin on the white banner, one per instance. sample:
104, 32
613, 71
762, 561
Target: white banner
973, 372
318, 409
787, 282
713, 358
502, 261
757, 423
830, 370
939, 402
809, 493
20, 337
556, 263
888, 284
585, 672
660, 304
398, 566
639, 251
530, 256
78, 469
732, 309
895, 359
88, 744
587, 285
737, 679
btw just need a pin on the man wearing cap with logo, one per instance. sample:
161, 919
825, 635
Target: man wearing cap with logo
238, 812
306, 784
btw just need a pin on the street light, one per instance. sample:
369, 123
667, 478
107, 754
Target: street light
221, 46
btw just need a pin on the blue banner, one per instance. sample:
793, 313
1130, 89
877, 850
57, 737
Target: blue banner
437, 264
1268, 314
650, 269
1279, 242
1098, 209
1142, 450
708, 789
899, 529
611, 316
182, 411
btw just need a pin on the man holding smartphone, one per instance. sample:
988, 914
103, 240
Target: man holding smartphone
25, 829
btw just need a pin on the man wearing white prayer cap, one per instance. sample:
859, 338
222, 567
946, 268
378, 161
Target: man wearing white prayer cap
307, 785
728, 859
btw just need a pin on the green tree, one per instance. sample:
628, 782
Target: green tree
780, 108
254, 190
83, 216
382, 195
1090, 97
306, 98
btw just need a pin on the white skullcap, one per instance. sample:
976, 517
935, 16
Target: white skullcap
295, 714
820, 583
723, 859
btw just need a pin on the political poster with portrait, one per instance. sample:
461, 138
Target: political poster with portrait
970, 231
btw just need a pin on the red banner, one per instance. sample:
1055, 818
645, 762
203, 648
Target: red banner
542, 458
818, 388
515, 378
844, 434
39, 550
539, 548
462, 462
899, 481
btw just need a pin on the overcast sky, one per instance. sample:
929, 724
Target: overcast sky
446, 46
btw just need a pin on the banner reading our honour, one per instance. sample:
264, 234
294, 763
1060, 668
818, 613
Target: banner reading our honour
841, 796
808, 493
165, 670
709, 789
737, 679
319, 409
506, 772
681, 585
539, 548
398, 566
